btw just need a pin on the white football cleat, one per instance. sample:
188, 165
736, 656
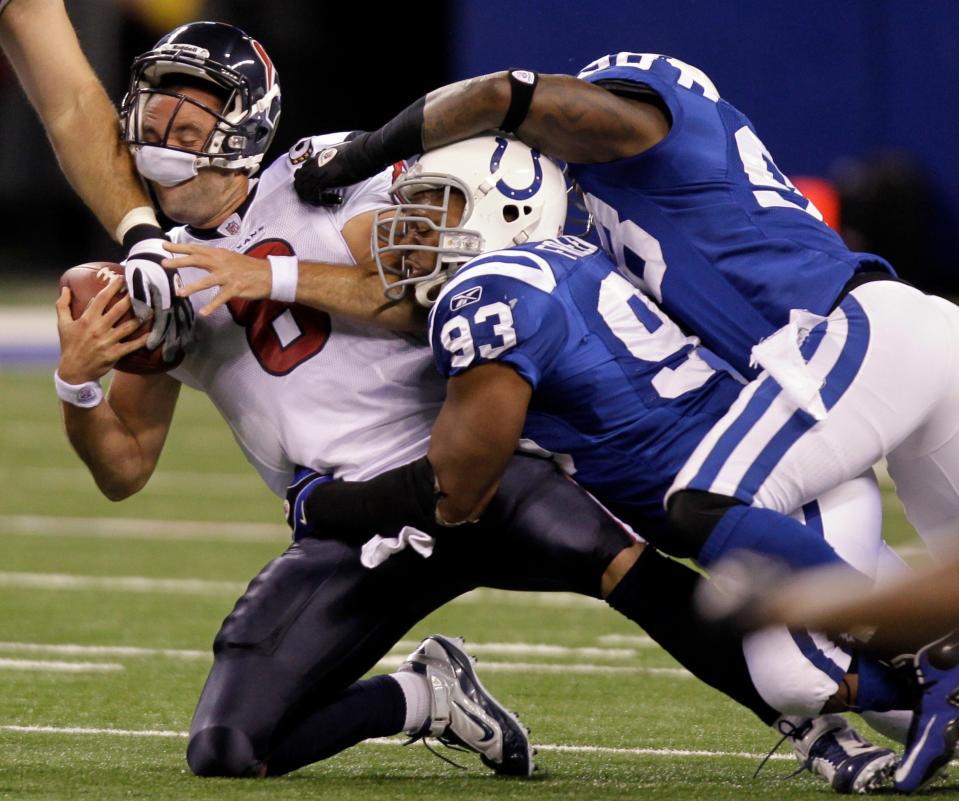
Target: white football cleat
463, 713
829, 747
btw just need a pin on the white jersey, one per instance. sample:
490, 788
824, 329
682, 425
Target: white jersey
297, 386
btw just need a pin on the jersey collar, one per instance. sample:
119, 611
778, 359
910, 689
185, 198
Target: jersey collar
231, 225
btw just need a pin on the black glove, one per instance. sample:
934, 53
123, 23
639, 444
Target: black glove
361, 156
353, 511
320, 180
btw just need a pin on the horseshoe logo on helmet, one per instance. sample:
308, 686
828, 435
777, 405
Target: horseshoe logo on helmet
511, 191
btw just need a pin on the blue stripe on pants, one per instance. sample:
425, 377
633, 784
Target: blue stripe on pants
838, 380
761, 400
817, 658
812, 515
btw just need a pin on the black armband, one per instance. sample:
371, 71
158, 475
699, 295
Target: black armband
522, 84
356, 510
138, 233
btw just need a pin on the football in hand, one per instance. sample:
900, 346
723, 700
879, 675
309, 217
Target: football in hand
84, 282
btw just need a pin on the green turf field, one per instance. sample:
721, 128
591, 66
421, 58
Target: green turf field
109, 611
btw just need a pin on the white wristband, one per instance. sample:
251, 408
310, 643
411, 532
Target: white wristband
141, 215
85, 395
286, 273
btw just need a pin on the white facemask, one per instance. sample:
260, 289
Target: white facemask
164, 166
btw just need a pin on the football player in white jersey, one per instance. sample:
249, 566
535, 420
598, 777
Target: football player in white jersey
300, 386
37, 37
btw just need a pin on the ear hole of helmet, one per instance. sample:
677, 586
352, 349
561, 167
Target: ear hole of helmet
511, 213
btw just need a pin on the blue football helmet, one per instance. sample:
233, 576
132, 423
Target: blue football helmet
224, 59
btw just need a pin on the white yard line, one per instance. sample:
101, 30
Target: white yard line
89, 731
145, 584
59, 667
533, 649
142, 528
142, 584
397, 657
387, 741
73, 649
632, 640
556, 667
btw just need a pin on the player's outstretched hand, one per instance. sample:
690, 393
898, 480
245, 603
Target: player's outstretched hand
92, 344
304, 482
153, 293
237, 275
321, 178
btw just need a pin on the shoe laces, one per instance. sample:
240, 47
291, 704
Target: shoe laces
443, 741
794, 731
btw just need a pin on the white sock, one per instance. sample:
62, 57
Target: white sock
416, 691
894, 724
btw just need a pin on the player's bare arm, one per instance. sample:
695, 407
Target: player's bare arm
474, 436
909, 611
79, 118
349, 290
567, 118
120, 438
564, 117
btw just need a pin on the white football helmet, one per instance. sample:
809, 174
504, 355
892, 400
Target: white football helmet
513, 194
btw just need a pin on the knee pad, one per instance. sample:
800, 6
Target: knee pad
691, 516
221, 751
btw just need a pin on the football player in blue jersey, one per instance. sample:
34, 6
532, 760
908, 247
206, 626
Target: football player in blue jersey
688, 204
545, 340
693, 209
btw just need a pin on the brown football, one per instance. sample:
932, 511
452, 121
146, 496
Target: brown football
84, 282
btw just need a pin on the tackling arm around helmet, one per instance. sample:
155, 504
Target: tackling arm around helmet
563, 116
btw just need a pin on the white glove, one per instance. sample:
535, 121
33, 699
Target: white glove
153, 291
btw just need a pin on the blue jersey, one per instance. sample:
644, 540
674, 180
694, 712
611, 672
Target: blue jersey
705, 222
616, 385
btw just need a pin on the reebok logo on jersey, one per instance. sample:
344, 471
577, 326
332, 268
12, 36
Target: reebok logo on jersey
473, 295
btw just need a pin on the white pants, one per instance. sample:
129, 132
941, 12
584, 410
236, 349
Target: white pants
797, 672
889, 357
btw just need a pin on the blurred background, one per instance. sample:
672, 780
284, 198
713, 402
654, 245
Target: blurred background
853, 97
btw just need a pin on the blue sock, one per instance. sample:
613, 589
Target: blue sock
373, 707
763, 531
880, 688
